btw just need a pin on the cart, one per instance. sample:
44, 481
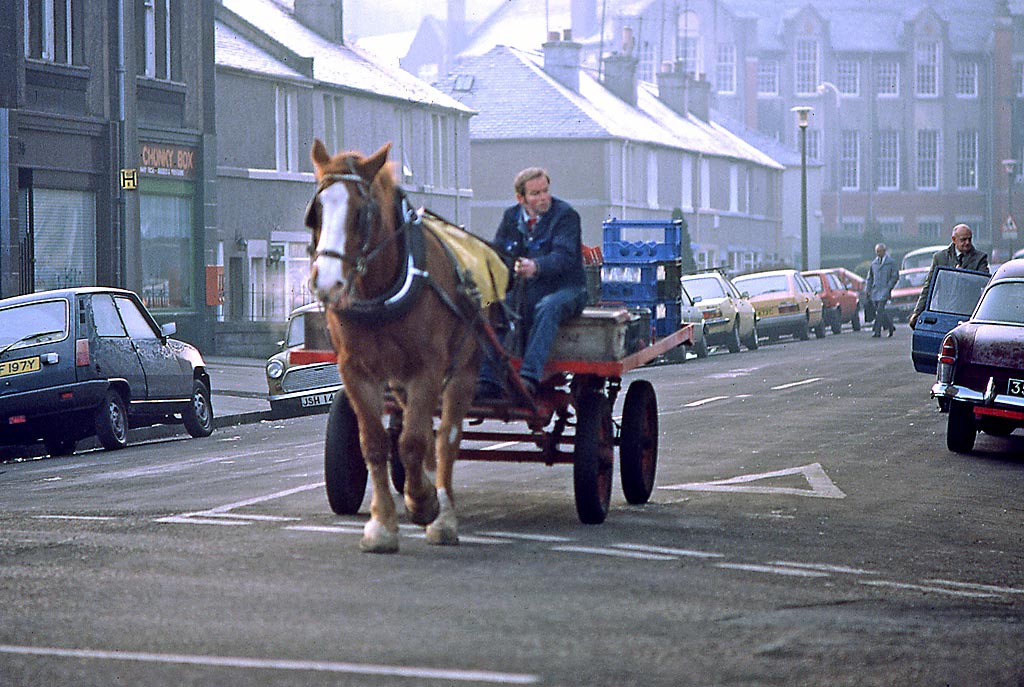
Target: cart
576, 394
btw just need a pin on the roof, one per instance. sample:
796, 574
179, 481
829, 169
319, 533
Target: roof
236, 52
334, 63
507, 80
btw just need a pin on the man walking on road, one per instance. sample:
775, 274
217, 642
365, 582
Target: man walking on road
882, 276
961, 254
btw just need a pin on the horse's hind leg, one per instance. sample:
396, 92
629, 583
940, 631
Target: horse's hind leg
380, 535
414, 448
455, 403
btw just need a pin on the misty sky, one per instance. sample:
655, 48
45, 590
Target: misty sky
373, 17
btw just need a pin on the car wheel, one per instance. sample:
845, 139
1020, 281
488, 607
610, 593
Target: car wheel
961, 429
855, 321
819, 331
701, 347
804, 332
837, 321
59, 445
111, 421
198, 417
751, 343
734, 338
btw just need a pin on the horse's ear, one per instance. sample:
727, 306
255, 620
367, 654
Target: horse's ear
319, 154
371, 165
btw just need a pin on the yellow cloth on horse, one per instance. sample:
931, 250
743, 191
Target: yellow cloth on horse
474, 255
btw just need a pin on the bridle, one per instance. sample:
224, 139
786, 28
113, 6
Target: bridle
369, 207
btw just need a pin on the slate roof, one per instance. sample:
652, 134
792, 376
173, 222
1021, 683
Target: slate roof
232, 50
517, 100
337, 64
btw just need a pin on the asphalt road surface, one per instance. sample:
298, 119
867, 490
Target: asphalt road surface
808, 528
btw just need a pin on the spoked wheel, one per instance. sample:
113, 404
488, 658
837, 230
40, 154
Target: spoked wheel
344, 468
594, 458
638, 442
111, 422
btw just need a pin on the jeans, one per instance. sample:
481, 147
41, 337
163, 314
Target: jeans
541, 326
882, 318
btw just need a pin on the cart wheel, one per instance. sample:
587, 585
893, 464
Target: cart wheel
594, 458
638, 442
344, 468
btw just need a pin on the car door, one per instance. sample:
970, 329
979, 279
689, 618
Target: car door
111, 349
165, 378
952, 296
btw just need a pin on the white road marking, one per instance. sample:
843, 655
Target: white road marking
280, 664
773, 569
979, 587
525, 537
613, 552
688, 553
416, 533
260, 518
704, 401
326, 529
825, 568
926, 588
780, 387
820, 485
192, 519
73, 517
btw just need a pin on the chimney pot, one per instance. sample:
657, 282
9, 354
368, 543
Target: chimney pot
553, 37
567, 35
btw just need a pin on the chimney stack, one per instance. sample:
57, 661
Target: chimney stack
620, 70
562, 60
322, 16
682, 93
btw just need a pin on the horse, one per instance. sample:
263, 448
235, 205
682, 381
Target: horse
401, 324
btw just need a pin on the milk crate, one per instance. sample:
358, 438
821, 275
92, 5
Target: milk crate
642, 240
629, 281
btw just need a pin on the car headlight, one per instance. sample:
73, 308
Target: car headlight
275, 369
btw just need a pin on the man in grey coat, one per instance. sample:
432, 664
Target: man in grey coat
882, 276
961, 254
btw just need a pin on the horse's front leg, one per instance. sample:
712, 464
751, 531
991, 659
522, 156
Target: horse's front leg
415, 445
380, 535
454, 406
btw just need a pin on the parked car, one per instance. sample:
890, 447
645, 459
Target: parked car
840, 304
691, 314
980, 373
904, 295
952, 296
729, 318
851, 280
784, 302
92, 361
921, 257
296, 386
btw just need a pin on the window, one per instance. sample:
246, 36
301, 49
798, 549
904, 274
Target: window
813, 144
286, 120
888, 78
926, 62
334, 122
768, 77
888, 159
166, 250
848, 77
889, 227
806, 67
284, 286
849, 160
64, 236
705, 184
725, 69
645, 69
734, 188
1018, 78
927, 159
439, 148
688, 43
53, 30
107, 321
929, 229
135, 322
159, 49
966, 79
652, 179
853, 227
687, 183
967, 159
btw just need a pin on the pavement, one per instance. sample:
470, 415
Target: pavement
238, 390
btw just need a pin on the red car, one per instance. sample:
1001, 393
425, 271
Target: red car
904, 295
839, 303
980, 375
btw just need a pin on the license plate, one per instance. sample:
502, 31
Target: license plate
20, 366
1015, 387
314, 400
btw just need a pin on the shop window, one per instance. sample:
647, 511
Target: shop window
166, 250
64, 237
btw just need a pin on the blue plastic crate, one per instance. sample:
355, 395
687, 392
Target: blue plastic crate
643, 282
633, 239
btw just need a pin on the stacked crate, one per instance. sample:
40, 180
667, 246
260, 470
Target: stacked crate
642, 267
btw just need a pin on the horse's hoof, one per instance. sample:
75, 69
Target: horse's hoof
442, 535
378, 539
423, 513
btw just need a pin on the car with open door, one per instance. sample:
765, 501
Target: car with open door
952, 295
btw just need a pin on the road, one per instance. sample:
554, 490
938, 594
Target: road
808, 528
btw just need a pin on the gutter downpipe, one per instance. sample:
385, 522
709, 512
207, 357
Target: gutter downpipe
119, 236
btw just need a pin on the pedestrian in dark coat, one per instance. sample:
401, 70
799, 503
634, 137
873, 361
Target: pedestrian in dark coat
882, 277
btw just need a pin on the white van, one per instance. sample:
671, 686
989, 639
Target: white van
921, 257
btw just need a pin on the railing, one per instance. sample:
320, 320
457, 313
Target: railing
267, 305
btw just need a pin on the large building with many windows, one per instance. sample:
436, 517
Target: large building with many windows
107, 150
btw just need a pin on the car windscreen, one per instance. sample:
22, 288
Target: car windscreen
705, 287
1004, 302
756, 286
815, 281
33, 323
296, 331
910, 279
956, 291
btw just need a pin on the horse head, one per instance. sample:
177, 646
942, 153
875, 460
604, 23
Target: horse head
350, 213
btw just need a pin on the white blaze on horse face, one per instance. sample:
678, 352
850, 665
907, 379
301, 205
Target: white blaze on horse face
333, 213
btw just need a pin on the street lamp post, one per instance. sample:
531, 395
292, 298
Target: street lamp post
1010, 231
803, 114
837, 146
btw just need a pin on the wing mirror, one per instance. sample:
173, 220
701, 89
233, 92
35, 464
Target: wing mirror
168, 329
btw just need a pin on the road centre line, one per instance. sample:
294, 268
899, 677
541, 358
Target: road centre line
979, 587
927, 588
668, 551
614, 552
825, 568
793, 384
73, 517
525, 537
703, 401
773, 569
412, 672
